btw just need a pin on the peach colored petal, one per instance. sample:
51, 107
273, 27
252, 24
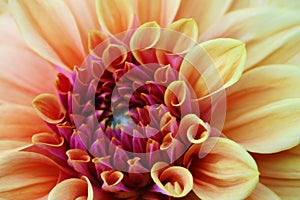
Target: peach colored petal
48, 107
112, 181
281, 172
204, 12
163, 12
285, 164
284, 188
115, 16
55, 40
86, 18
262, 192
174, 181
213, 65
9, 32
74, 188
26, 175
23, 75
266, 32
226, 172
261, 105
17, 125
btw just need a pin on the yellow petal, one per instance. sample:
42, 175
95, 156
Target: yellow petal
263, 105
115, 16
55, 40
213, 65
226, 172
264, 40
143, 39
163, 12
183, 33
262, 192
30, 174
174, 181
194, 129
48, 107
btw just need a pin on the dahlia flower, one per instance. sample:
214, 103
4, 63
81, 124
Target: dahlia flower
112, 99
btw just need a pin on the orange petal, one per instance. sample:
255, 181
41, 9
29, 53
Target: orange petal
283, 165
266, 42
261, 105
30, 174
226, 172
17, 125
163, 12
115, 16
213, 65
262, 192
281, 172
112, 181
55, 40
204, 12
174, 181
48, 107
86, 18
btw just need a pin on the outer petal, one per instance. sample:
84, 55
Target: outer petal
262, 106
56, 40
115, 16
86, 18
226, 172
26, 175
163, 12
17, 125
204, 12
266, 32
281, 172
213, 65
22, 72
262, 192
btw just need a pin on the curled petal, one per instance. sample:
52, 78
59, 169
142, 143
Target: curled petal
194, 129
50, 142
213, 65
143, 39
174, 181
183, 32
226, 172
48, 107
76, 188
114, 16
79, 160
112, 181
30, 174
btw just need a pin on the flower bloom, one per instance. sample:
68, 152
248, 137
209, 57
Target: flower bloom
137, 110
